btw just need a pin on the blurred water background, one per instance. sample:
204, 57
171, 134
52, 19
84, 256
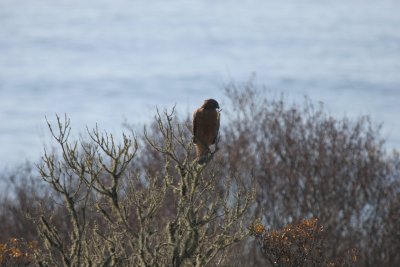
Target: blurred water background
110, 61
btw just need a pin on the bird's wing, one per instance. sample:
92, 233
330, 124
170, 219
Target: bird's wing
194, 126
217, 127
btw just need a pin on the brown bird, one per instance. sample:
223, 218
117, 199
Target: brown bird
205, 128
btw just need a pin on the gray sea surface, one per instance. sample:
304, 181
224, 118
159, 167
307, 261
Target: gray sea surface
106, 62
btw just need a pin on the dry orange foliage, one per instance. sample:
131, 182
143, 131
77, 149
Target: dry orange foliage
17, 252
298, 244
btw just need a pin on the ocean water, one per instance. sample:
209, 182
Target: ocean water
110, 61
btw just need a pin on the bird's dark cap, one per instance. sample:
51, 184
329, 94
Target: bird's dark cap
210, 104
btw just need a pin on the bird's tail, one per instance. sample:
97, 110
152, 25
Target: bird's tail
202, 152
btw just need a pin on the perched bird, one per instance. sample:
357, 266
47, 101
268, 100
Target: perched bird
205, 128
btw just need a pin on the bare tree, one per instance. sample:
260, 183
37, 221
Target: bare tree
117, 211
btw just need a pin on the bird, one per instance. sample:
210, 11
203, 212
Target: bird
206, 120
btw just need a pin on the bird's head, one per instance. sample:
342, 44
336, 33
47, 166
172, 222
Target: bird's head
210, 104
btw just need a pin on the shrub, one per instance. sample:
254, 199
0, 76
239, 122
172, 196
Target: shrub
304, 162
300, 244
307, 163
18, 252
